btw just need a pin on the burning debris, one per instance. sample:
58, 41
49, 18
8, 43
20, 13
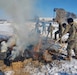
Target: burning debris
27, 52
24, 35
42, 58
36, 52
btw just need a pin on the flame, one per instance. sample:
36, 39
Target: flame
36, 49
37, 46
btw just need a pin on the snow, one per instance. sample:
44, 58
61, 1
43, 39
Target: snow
9, 73
6, 29
75, 20
57, 67
45, 19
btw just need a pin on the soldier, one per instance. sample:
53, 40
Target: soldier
59, 31
72, 40
50, 30
66, 30
64, 26
37, 26
60, 17
43, 27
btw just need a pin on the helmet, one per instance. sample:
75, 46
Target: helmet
69, 20
64, 25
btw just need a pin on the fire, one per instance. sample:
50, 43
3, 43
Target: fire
36, 49
38, 46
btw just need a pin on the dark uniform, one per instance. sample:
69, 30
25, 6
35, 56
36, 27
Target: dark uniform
59, 31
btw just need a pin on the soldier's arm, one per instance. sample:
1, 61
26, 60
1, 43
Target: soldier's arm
66, 30
72, 35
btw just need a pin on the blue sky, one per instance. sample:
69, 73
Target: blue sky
45, 7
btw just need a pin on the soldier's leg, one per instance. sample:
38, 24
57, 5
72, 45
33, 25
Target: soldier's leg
60, 35
57, 32
75, 50
51, 34
68, 51
69, 48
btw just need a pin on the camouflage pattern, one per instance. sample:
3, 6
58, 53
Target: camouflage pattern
61, 33
66, 30
72, 40
50, 30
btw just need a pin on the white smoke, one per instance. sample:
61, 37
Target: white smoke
21, 11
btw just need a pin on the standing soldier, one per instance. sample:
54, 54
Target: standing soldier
50, 30
37, 27
72, 40
59, 31
43, 27
65, 30
60, 17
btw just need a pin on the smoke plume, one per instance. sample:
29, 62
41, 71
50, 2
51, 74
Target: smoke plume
21, 11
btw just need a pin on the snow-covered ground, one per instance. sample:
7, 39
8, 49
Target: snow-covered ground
6, 29
54, 68
57, 67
